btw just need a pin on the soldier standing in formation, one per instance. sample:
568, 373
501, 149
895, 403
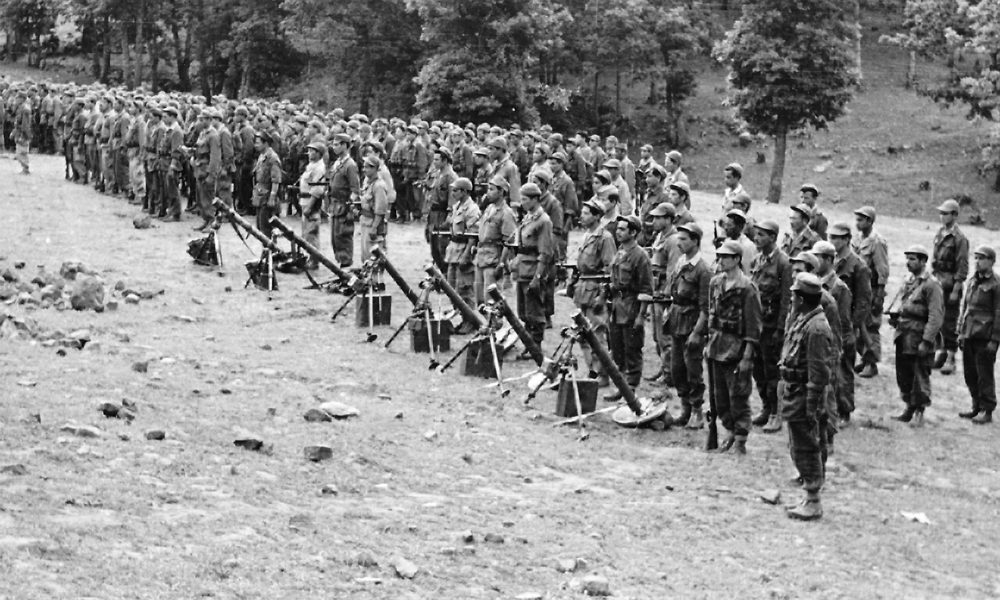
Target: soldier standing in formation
344, 188
687, 322
594, 258
771, 272
530, 266
373, 210
266, 180
950, 266
631, 275
461, 247
311, 192
979, 336
916, 313
496, 225
873, 251
664, 254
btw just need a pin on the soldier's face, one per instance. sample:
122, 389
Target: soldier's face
652, 180
730, 179
733, 227
555, 166
493, 193
623, 233
839, 241
728, 262
763, 238
862, 223
674, 196
796, 221
538, 156
438, 161
799, 267
644, 153
983, 263
915, 263
807, 197
659, 223
685, 242
587, 218
370, 171
948, 218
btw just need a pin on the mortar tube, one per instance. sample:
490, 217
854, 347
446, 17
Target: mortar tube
606, 361
517, 325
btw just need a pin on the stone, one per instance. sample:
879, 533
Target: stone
315, 415
566, 565
249, 442
430, 436
142, 221
529, 596
493, 538
119, 285
156, 434
131, 299
329, 490
339, 410
85, 431
365, 559
770, 496
405, 569
111, 305
52, 292
140, 366
467, 537
368, 580
87, 294
15, 469
9, 275
80, 334
596, 585
318, 453
71, 268
110, 410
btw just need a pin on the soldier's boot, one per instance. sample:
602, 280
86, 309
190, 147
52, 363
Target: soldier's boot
727, 443
603, 381
939, 358
983, 418
809, 509
868, 371
773, 424
906, 416
697, 420
949, 364
685, 415
655, 377
763, 417
970, 413
740, 446
918, 418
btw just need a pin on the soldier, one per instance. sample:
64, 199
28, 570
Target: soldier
154, 133
107, 163
266, 181
461, 248
771, 272
680, 196
950, 266
244, 158
227, 148
560, 238
631, 276
534, 247
808, 194
373, 209
311, 190
916, 313
979, 336
415, 162
77, 131
664, 254
22, 130
133, 142
564, 191
873, 250
672, 163
625, 205
839, 318
642, 170
734, 326
482, 174
800, 238
505, 167
627, 171
732, 176
805, 374
344, 188
462, 161
596, 253
687, 323
207, 166
734, 225
169, 166
438, 195
496, 226
853, 272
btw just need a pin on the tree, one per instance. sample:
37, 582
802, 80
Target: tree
483, 57
931, 28
26, 22
791, 65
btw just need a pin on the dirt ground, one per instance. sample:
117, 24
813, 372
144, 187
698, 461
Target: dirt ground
483, 495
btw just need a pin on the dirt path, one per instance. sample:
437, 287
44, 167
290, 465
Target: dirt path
430, 459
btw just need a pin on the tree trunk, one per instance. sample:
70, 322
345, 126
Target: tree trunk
778, 169
154, 65
246, 83
182, 57
139, 44
618, 92
911, 69
652, 91
203, 83
126, 57
597, 99
857, 40
106, 59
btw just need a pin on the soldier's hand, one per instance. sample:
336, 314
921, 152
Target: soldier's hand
925, 348
373, 237
745, 366
961, 344
955, 296
991, 347
535, 285
693, 342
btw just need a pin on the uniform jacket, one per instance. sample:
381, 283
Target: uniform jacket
853, 271
631, 275
917, 312
733, 317
496, 226
535, 246
805, 365
266, 172
597, 251
874, 253
950, 263
464, 218
689, 286
772, 274
980, 315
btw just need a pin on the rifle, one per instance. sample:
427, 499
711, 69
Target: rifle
529, 343
469, 314
712, 443
656, 298
235, 219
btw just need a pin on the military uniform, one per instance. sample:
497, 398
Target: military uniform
169, 167
688, 316
792, 243
772, 274
535, 251
496, 226
266, 175
154, 133
22, 133
805, 374
631, 275
734, 320
227, 150
415, 162
663, 258
856, 276
207, 166
917, 313
950, 266
874, 253
344, 186
438, 200
480, 183
594, 258
374, 203
554, 210
979, 335
311, 199
459, 253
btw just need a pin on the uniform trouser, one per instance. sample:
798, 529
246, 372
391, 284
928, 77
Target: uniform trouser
206, 192
436, 222
626, 349
845, 380
108, 168
342, 239
153, 185
550, 299
137, 173
264, 213
765, 368
872, 353
122, 169
244, 189
408, 204
913, 376
662, 339
598, 318
949, 328
687, 369
93, 161
977, 366
21, 147
732, 396
170, 197
531, 309
484, 278
367, 243
806, 447
224, 187
79, 162
463, 278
